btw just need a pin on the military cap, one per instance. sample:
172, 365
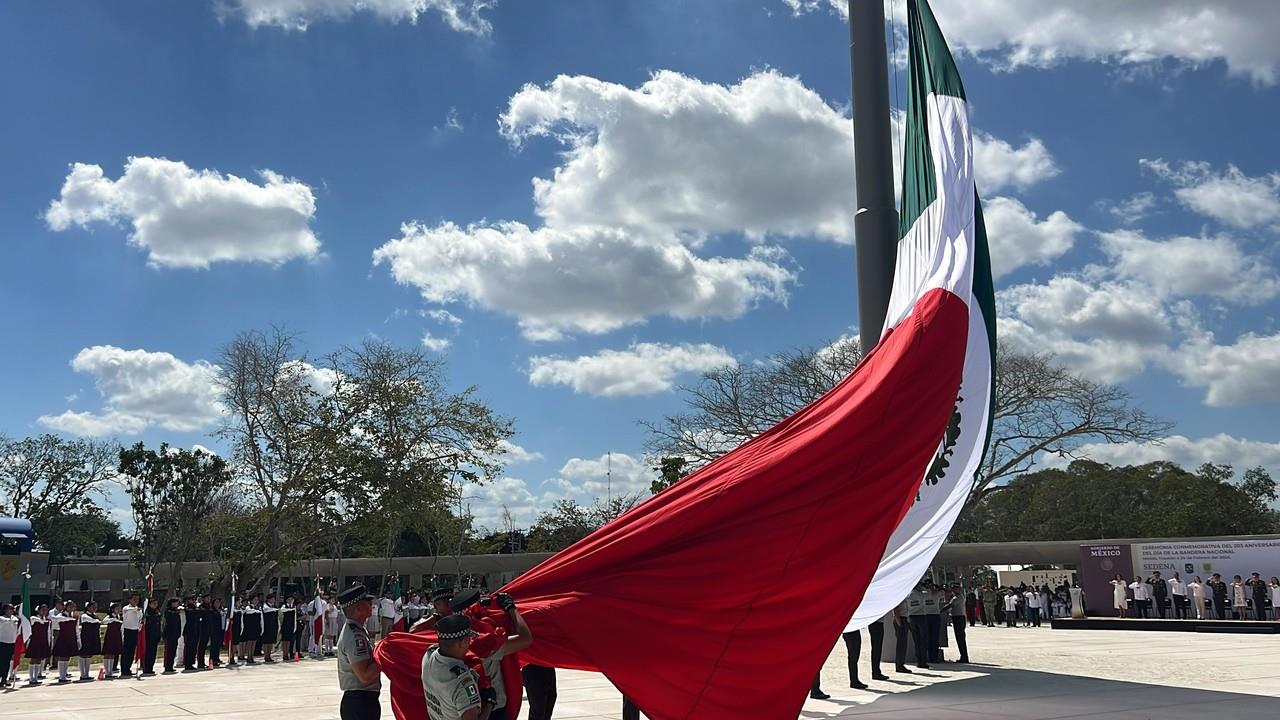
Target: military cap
464, 599
353, 595
454, 627
441, 593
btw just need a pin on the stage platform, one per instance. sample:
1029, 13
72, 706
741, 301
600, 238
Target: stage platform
1246, 627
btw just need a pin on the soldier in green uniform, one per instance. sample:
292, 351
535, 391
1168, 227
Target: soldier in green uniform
451, 687
359, 676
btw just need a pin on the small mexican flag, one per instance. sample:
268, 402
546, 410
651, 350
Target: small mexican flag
24, 619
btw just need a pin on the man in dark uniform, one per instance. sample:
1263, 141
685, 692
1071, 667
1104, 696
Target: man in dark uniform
205, 612
1259, 595
1159, 592
359, 676
192, 633
853, 644
172, 631
1219, 596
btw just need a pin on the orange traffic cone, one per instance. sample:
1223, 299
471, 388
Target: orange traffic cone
102, 671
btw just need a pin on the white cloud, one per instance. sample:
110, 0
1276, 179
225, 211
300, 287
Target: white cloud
1000, 166
459, 15
1075, 307
1230, 197
140, 389
513, 454
587, 279
1191, 266
642, 369
1133, 209
1018, 237
1108, 331
619, 473
442, 316
1246, 372
433, 343
487, 502
1040, 33
1240, 453
765, 157
188, 218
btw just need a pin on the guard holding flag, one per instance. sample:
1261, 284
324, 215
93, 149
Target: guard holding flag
359, 676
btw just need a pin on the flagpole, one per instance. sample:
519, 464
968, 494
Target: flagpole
875, 223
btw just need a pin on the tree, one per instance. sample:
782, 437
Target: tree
414, 443
1040, 407
48, 476
1090, 500
368, 440
83, 532
567, 522
671, 470
172, 493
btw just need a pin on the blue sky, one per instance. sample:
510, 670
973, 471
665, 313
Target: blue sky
352, 172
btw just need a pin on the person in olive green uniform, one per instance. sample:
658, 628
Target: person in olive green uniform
359, 676
452, 689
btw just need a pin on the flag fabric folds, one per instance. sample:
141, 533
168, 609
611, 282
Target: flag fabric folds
721, 596
943, 243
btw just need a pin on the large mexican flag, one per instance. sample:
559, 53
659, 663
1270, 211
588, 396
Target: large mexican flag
943, 244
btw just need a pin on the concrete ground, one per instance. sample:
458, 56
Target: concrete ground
1023, 673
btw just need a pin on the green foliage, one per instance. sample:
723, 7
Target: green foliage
1090, 500
47, 476
567, 522
671, 470
172, 493
84, 532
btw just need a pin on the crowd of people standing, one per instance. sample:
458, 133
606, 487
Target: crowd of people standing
1156, 597
129, 637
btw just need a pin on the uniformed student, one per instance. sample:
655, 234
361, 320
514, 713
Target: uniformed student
8, 641
956, 605
359, 676
192, 633
131, 620
933, 620
452, 688
270, 627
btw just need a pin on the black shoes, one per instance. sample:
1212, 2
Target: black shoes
902, 669
857, 684
879, 676
819, 695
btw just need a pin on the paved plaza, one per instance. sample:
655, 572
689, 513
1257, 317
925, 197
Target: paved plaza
1022, 673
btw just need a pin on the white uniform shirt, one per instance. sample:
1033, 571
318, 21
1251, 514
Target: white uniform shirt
1197, 589
1177, 587
8, 630
1033, 599
387, 608
1141, 590
1010, 603
451, 688
132, 617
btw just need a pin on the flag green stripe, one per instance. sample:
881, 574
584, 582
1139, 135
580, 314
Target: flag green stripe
932, 70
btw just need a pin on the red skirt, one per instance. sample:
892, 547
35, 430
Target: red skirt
67, 644
113, 639
38, 646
